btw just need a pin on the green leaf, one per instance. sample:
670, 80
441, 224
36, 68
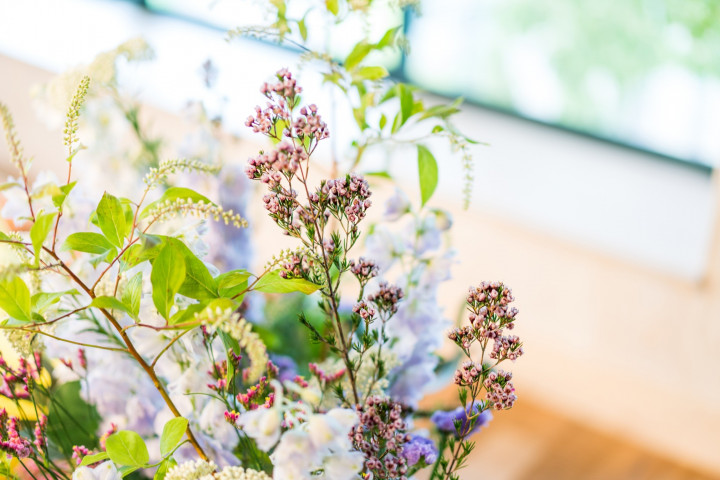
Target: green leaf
172, 434
127, 470
358, 53
406, 102
94, 458
132, 294
164, 467
370, 73
88, 242
15, 299
381, 174
198, 283
272, 282
383, 121
65, 190
428, 171
167, 276
110, 303
441, 111
332, 6
172, 194
302, 27
127, 448
186, 314
233, 282
389, 38
41, 300
39, 232
111, 219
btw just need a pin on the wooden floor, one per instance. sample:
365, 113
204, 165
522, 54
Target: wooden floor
530, 443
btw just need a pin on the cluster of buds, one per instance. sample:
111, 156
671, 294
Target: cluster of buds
79, 452
11, 442
323, 376
300, 263
271, 167
219, 374
501, 392
506, 347
185, 207
286, 86
387, 298
468, 373
366, 312
283, 96
309, 125
103, 438
16, 382
364, 270
257, 396
380, 436
349, 197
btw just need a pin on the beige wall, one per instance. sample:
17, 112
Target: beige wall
614, 344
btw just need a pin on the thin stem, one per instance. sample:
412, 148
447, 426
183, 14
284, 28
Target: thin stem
135, 354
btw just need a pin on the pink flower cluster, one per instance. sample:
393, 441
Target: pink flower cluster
501, 392
13, 443
349, 195
381, 436
387, 298
323, 376
16, 382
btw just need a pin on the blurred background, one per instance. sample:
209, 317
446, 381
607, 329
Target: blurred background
596, 199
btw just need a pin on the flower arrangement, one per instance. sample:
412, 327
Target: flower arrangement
133, 355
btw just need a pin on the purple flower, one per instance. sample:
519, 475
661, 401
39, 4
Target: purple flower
419, 448
286, 366
445, 420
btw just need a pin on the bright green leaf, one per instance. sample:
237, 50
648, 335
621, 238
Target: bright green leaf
428, 171
406, 102
168, 274
94, 458
358, 53
15, 299
39, 232
110, 303
174, 193
370, 73
332, 6
132, 293
272, 282
302, 27
388, 40
88, 242
198, 283
111, 219
172, 434
164, 467
42, 300
233, 282
127, 448
65, 190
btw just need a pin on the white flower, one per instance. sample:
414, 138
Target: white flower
104, 471
191, 470
343, 465
263, 425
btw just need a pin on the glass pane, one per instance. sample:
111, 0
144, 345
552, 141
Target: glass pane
640, 72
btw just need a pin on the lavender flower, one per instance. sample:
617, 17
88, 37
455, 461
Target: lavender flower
420, 448
445, 420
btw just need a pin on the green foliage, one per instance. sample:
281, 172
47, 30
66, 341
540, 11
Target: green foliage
127, 448
172, 194
164, 467
167, 276
90, 242
111, 220
132, 293
39, 232
172, 434
232, 283
71, 421
111, 303
428, 169
272, 282
15, 299
96, 457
